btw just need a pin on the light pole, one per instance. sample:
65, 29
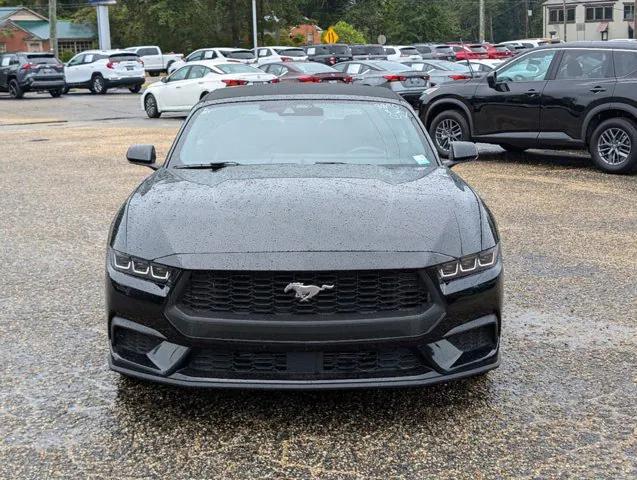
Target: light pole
254, 26
53, 27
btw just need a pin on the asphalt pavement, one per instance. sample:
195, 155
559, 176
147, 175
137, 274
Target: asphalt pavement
562, 405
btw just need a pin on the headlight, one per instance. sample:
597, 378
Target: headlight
140, 267
469, 264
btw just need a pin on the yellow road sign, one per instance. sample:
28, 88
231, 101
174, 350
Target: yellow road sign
331, 36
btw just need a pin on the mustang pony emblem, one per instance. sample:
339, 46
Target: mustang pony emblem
305, 292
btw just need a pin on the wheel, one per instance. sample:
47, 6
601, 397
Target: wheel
98, 85
513, 148
15, 91
613, 146
150, 105
153, 74
56, 93
135, 89
65, 90
447, 127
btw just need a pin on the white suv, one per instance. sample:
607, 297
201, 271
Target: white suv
280, 54
402, 53
239, 55
99, 70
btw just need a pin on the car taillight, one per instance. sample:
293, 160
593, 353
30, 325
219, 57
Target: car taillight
141, 61
111, 65
274, 80
459, 77
308, 78
348, 79
286, 59
234, 83
27, 66
332, 60
394, 78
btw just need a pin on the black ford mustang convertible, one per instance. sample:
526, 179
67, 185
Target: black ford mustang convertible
303, 236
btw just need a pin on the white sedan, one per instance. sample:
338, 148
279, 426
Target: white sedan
181, 90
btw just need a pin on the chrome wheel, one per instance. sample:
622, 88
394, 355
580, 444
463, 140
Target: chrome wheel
614, 146
447, 131
98, 85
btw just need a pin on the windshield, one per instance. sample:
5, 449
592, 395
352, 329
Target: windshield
339, 49
390, 66
286, 132
444, 65
408, 51
237, 68
43, 59
240, 54
290, 52
314, 67
359, 50
445, 48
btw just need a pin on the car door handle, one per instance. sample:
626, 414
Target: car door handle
597, 89
532, 92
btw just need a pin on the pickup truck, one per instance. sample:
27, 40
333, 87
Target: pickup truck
155, 62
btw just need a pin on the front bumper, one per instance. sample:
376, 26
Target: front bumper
457, 336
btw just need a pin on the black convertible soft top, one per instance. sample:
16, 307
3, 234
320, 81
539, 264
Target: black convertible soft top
279, 89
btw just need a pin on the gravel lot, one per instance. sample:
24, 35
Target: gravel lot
562, 405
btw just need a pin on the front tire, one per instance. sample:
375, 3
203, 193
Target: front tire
15, 91
447, 127
150, 106
56, 93
65, 90
98, 85
613, 146
135, 89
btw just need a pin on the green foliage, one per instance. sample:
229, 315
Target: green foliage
348, 34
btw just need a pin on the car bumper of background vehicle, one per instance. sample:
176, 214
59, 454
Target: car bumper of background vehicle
458, 336
124, 82
34, 84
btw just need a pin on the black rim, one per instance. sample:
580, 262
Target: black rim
13, 91
151, 105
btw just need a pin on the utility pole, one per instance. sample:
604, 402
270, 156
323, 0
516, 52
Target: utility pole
481, 34
53, 27
254, 27
526, 18
635, 20
564, 12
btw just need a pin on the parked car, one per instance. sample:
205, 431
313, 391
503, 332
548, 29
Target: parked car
155, 62
305, 72
280, 54
221, 54
494, 52
23, 72
569, 95
401, 53
329, 54
435, 51
368, 52
186, 86
441, 71
303, 236
464, 52
394, 76
99, 70
480, 67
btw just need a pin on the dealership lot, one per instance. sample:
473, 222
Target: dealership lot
561, 404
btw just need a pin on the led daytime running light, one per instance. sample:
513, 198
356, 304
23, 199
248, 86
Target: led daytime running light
469, 264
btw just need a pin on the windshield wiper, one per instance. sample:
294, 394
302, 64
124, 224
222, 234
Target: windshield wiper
208, 166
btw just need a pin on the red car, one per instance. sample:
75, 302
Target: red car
496, 52
470, 52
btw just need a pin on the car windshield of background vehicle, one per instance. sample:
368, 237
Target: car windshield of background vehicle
359, 50
290, 52
339, 49
376, 50
240, 54
237, 68
43, 59
408, 51
350, 132
531, 68
313, 67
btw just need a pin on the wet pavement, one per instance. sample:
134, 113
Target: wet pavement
562, 405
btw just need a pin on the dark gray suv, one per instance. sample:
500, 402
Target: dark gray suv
31, 72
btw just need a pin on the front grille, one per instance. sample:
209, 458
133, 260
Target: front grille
353, 292
305, 365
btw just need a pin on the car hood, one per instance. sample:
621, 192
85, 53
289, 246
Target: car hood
283, 209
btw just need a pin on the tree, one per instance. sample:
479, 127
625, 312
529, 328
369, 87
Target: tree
347, 33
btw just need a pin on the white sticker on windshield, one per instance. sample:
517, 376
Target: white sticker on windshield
421, 159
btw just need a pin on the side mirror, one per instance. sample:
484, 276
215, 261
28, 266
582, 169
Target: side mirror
163, 79
142, 154
492, 78
461, 152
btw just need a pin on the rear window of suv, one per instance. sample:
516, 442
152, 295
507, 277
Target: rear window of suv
625, 64
339, 49
123, 57
290, 52
43, 59
240, 54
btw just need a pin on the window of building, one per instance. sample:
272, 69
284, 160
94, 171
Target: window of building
3, 47
629, 12
556, 15
75, 47
599, 14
